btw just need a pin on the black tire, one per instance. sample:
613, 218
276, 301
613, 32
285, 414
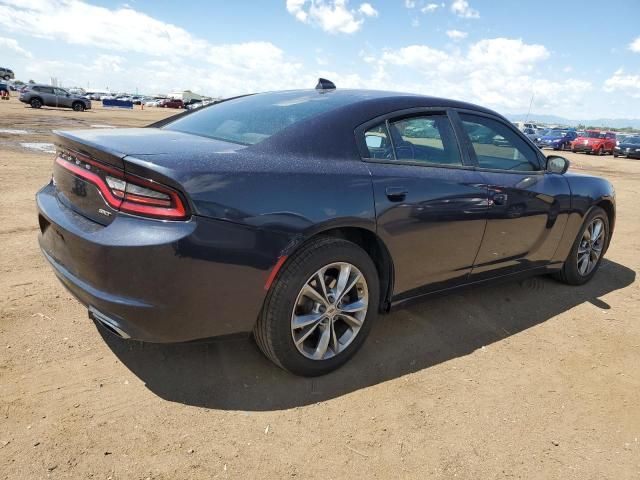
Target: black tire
615, 155
574, 150
569, 273
35, 103
78, 107
273, 332
600, 151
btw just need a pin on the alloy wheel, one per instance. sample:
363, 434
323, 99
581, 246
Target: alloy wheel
329, 311
591, 245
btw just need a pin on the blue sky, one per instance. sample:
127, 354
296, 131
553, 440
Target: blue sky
579, 59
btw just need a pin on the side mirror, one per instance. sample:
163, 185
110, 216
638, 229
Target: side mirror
374, 141
557, 164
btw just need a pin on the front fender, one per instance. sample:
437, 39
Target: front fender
587, 192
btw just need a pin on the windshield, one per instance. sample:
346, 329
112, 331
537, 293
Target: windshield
556, 133
634, 140
595, 135
254, 118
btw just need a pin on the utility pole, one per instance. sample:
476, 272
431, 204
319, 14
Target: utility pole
530, 103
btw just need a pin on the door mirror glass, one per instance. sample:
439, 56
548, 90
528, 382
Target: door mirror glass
374, 141
556, 164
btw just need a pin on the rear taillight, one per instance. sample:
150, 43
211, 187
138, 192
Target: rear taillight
124, 192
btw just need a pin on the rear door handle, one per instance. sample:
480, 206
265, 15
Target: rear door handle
396, 194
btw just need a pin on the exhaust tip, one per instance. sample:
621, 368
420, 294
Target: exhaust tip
108, 323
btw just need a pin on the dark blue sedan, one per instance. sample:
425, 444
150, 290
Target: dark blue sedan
300, 215
557, 139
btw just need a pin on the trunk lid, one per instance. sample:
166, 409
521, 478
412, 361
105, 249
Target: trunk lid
117, 152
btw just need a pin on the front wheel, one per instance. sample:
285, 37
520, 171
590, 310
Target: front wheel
78, 107
586, 254
320, 308
36, 103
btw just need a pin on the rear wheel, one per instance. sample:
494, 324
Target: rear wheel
586, 254
320, 309
78, 106
35, 103
600, 151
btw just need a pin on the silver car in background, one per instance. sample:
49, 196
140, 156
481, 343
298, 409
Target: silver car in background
49, 96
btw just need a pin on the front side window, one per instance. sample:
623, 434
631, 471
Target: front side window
425, 139
497, 146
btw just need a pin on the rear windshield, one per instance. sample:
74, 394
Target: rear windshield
252, 119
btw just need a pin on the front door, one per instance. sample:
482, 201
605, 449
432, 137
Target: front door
528, 207
430, 207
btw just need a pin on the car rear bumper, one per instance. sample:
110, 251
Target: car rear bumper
160, 281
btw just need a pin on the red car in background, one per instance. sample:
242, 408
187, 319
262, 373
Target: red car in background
174, 103
595, 141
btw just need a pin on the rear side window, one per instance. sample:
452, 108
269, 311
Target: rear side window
497, 146
252, 119
425, 139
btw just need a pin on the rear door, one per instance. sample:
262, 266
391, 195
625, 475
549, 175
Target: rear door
528, 207
430, 204
47, 95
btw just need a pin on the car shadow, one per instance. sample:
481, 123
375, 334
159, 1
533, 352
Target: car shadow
234, 375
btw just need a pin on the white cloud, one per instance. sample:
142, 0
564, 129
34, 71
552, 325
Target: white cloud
625, 83
500, 73
635, 45
332, 16
430, 8
410, 3
456, 35
367, 10
11, 44
80, 23
462, 9
239, 68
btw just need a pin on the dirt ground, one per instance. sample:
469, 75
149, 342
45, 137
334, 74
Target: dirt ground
532, 379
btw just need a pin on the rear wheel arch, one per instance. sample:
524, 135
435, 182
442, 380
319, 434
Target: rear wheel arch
372, 244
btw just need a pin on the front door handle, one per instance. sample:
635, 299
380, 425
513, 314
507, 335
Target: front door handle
396, 194
500, 199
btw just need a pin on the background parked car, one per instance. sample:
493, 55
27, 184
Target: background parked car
172, 103
531, 133
6, 73
39, 95
629, 147
595, 141
557, 139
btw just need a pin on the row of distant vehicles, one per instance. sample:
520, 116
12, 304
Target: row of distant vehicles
595, 142
162, 102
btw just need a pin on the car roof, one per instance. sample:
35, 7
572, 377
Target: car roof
380, 97
332, 131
